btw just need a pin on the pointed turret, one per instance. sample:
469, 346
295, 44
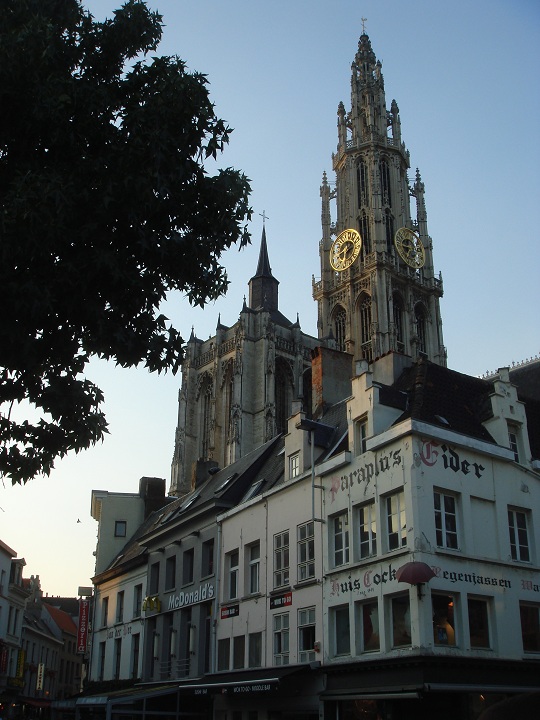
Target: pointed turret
263, 286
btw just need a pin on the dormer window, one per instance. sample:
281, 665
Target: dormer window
294, 465
513, 440
360, 436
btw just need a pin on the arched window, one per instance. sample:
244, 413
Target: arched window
421, 329
384, 173
362, 183
389, 227
206, 417
340, 328
228, 421
365, 327
364, 234
397, 306
283, 395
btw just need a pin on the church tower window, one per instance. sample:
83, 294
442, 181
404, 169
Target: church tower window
384, 172
398, 322
206, 417
362, 179
389, 228
340, 325
365, 327
421, 330
364, 234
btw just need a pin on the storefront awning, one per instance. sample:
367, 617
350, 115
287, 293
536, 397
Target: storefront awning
264, 680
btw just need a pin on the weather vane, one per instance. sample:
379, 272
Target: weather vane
364, 21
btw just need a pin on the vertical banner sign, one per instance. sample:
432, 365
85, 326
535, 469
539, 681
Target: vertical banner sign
82, 634
40, 674
20, 664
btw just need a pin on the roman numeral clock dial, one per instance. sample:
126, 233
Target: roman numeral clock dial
410, 248
345, 249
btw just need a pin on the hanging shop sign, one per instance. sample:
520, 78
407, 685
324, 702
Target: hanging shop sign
82, 633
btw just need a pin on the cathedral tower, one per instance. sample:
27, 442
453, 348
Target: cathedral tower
239, 386
378, 291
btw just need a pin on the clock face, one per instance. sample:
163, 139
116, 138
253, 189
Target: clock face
410, 248
345, 249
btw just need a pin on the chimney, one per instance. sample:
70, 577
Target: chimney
152, 491
331, 373
201, 471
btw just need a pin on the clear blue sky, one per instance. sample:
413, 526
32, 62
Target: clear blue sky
465, 77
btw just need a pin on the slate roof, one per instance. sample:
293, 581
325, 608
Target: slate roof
222, 490
444, 397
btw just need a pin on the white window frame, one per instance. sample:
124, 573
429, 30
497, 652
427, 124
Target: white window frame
444, 533
519, 550
294, 465
367, 530
232, 574
340, 539
306, 621
280, 626
360, 436
396, 520
254, 561
305, 534
281, 559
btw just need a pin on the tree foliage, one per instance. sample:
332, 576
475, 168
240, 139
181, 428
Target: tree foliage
106, 206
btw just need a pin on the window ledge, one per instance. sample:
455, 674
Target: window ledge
280, 590
306, 583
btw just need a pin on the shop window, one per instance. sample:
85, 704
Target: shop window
519, 538
239, 645
281, 559
444, 631
367, 530
135, 653
281, 639
255, 650
401, 621
367, 627
306, 635
101, 662
530, 626
306, 551
445, 520
224, 648
341, 628
396, 522
478, 623
232, 572
340, 539
117, 657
